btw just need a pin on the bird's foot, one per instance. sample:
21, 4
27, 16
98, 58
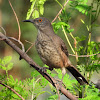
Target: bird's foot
44, 69
61, 82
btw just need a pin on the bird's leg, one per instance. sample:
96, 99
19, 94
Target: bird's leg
63, 73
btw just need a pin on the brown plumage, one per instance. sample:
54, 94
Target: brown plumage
52, 49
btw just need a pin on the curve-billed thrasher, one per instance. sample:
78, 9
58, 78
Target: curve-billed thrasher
52, 49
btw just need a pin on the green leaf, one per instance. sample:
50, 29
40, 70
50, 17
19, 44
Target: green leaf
11, 78
17, 88
3, 68
52, 97
96, 25
0, 61
80, 38
31, 0
15, 96
53, 74
36, 8
41, 9
39, 93
30, 11
41, 2
83, 8
6, 60
71, 30
0, 66
58, 25
82, 21
60, 76
35, 14
10, 66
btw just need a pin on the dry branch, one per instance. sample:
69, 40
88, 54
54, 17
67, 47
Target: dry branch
19, 34
60, 11
12, 90
52, 80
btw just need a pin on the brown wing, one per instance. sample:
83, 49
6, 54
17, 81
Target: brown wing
64, 48
60, 43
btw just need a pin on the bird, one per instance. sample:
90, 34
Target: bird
52, 49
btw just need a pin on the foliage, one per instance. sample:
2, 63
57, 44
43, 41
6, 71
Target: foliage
31, 88
28, 89
67, 80
81, 6
5, 63
92, 93
88, 65
36, 8
58, 25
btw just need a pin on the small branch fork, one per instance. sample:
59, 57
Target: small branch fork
52, 80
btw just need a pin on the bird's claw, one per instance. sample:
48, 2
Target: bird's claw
44, 69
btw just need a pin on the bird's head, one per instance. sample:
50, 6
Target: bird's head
40, 23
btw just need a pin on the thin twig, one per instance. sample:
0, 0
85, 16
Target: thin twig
60, 11
23, 49
19, 35
29, 47
84, 55
32, 44
28, 41
12, 90
3, 30
67, 38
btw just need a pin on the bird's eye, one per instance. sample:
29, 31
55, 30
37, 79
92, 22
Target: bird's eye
40, 20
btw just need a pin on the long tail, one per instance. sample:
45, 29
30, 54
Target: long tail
77, 74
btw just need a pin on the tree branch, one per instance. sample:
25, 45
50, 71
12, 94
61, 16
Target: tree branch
12, 90
52, 80
85, 55
19, 35
60, 11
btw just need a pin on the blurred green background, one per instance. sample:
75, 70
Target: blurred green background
21, 69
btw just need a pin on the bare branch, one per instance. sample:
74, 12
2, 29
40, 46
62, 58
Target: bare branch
12, 90
37, 67
3, 30
30, 47
16, 20
28, 41
23, 49
59, 12
85, 55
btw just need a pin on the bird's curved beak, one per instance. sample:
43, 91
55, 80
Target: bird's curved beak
28, 21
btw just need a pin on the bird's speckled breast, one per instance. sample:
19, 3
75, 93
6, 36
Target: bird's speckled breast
48, 51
